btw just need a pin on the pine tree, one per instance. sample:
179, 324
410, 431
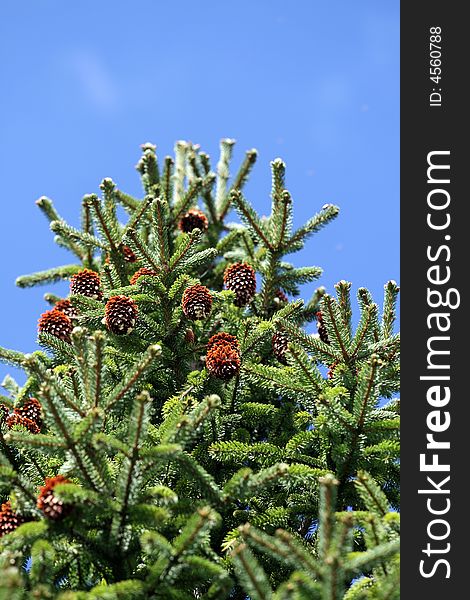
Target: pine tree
181, 434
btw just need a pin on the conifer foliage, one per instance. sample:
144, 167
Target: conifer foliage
185, 432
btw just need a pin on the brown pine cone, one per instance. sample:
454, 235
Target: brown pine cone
86, 283
197, 302
224, 338
321, 328
331, 369
140, 272
281, 297
223, 361
31, 409
241, 279
51, 506
279, 344
67, 308
189, 336
193, 219
56, 323
129, 255
120, 314
9, 520
18, 419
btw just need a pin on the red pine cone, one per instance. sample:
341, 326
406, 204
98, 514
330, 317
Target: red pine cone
197, 302
9, 520
321, 328
140, 272
279, 344
331, 369
120, 314
18, 419
67, 308
241, 279
223, 356
281, 297
31, 409
56, 323
86, 283
223, 362
28, 415
224, 338
51, 506
129, 255
193, 219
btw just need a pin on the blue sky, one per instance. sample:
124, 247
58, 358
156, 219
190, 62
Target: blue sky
84, 84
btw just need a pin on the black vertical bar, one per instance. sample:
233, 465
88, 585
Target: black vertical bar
434, 258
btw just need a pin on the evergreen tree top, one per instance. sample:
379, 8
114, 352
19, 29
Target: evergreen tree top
180, 434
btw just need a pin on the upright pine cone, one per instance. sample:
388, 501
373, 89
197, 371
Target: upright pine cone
331, 369
241, 279
86, 283
28, 415
31, 409
224, 338
321, 328
18, 419
67, 308
223, 356
9, 520
120, 315
189, 336
281, 297
279, 344
193, 219
51, 506
56, 323
129, 255
196, 302
140, 272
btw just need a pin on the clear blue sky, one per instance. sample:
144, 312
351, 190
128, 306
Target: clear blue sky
85, 83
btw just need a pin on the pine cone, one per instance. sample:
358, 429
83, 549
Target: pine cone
9, 520
193, 219
51, 506
120, 314
241, 279
86, 283
196, 302
140, 272
331, 369
321, 328
129, 255
56, 323
18, 419
279, 344
222, 361
224, 338
281, 297
67, 308
189, 336
31, 409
